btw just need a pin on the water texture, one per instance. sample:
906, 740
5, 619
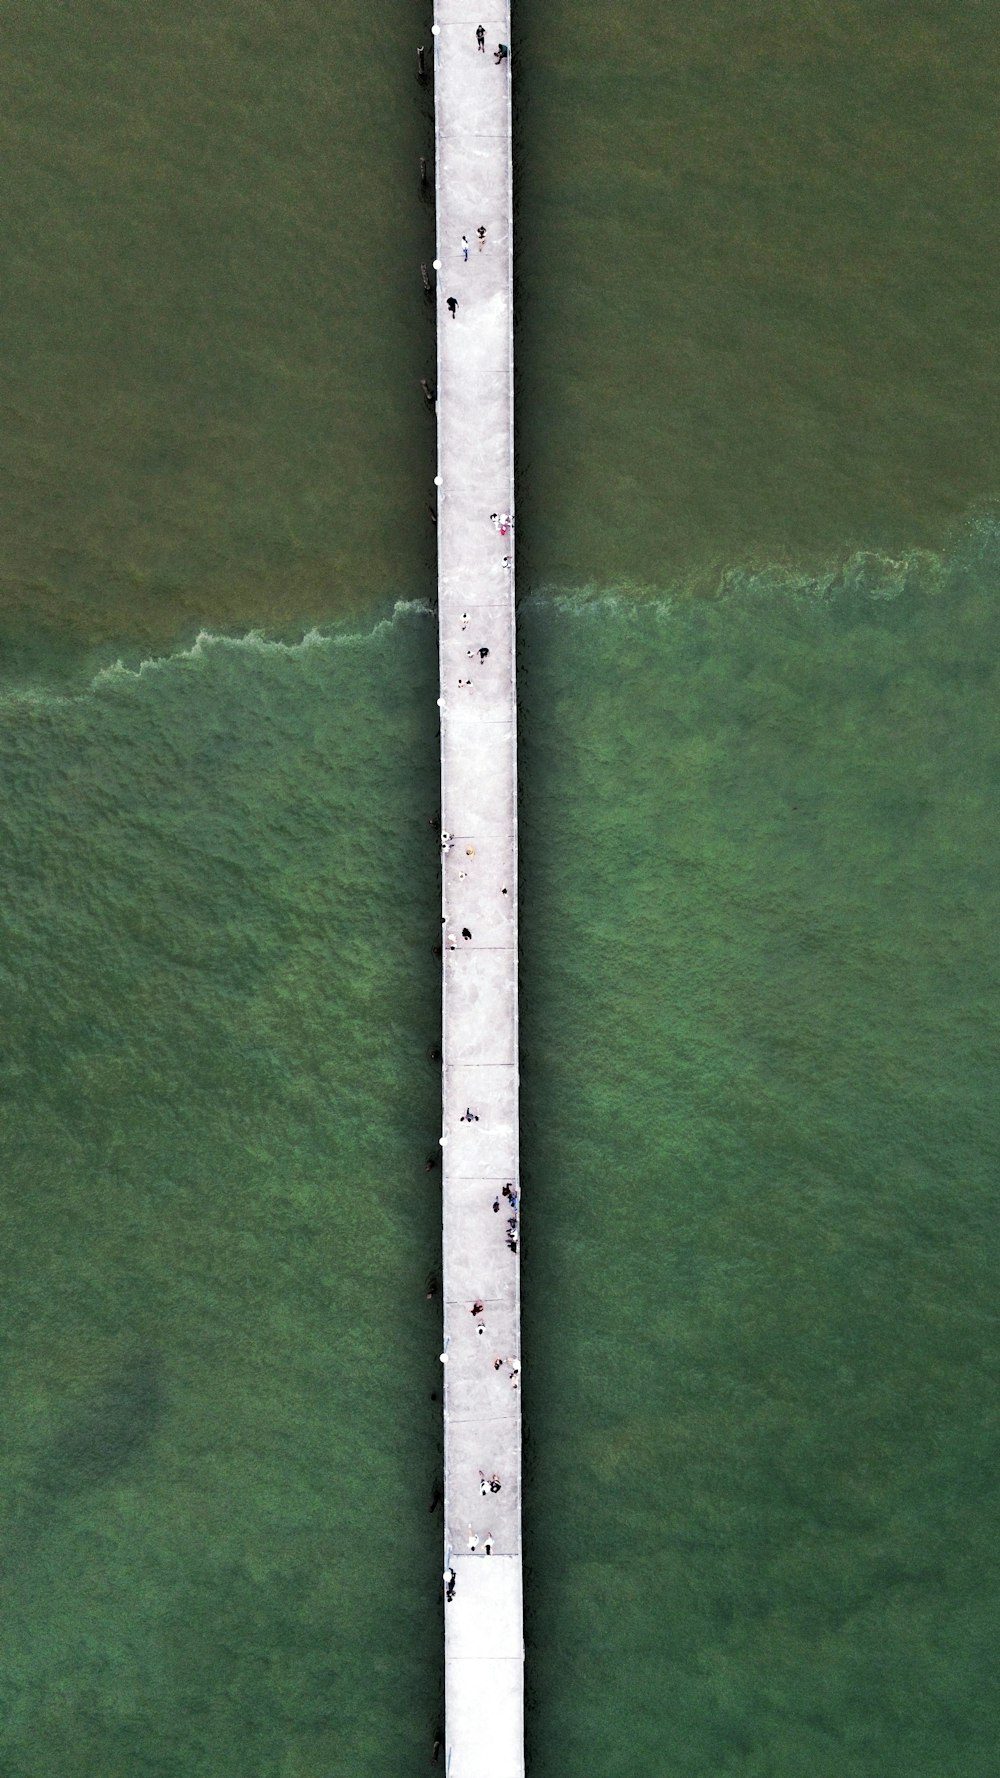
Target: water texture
217, 995
761, 1147
757, 353
758, 255
759, 1020
212, 328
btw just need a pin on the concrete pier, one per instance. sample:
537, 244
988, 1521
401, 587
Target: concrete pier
484, 1649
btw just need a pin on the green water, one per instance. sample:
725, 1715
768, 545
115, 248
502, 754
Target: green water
216, 1000
760, 859
211, 334
758, 256
758, 439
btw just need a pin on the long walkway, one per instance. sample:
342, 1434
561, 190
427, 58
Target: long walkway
484, 1649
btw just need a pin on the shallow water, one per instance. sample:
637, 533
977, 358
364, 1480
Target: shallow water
760, 1146
756, 351
760, 1152
216, 1002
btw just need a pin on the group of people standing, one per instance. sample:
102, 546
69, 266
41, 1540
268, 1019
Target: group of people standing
511, 1194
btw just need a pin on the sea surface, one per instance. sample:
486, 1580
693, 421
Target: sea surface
212, 328
759, 565
761, 869
217, 998
758, 252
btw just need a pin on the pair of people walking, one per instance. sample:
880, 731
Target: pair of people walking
502, 51
451, 302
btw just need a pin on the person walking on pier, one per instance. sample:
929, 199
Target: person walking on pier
452, 306
465, 246
481, 236
481, 39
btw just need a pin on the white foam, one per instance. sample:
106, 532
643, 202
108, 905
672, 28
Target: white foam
208, 642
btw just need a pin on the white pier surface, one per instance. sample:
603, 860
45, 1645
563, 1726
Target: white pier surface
484, 1647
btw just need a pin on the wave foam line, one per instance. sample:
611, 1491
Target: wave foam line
207, 642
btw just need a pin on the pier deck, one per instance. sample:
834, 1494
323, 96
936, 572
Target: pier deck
484, 1652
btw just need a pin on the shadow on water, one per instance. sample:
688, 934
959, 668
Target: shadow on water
102, 1433
98, 1437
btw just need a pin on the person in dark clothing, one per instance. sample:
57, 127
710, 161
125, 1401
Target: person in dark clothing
452, 306
481, 39
502, 52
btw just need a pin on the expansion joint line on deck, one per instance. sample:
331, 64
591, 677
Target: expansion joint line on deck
481, 1353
